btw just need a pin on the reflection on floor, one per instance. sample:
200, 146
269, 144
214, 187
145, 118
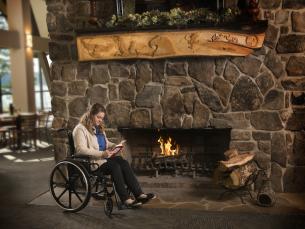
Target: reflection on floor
17, 155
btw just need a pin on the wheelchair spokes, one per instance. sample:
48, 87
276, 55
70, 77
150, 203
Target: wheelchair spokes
69, 186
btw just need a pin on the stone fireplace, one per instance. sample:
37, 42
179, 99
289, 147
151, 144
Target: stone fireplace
259, 98
186, 152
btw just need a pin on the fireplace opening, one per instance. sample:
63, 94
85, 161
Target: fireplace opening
183, 152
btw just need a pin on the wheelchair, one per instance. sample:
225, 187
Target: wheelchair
73, 182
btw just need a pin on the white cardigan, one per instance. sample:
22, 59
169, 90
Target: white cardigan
86, 144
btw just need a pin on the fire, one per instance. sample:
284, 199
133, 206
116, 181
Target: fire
167, 147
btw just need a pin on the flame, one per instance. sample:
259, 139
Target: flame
167, 148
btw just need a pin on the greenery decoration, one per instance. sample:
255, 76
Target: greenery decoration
176, 17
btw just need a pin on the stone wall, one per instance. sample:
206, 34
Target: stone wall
261, 96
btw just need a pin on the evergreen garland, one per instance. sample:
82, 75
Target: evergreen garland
174, 18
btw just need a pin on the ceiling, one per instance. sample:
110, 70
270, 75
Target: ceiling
39, 10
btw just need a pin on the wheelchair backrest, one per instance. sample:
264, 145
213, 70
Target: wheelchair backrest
71, 143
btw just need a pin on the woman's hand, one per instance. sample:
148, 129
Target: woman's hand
110, 153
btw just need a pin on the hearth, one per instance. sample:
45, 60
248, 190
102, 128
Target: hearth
185, 152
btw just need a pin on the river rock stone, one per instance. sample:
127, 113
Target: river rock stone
296, 65
274, 63
266, 120
127, 89
261, 135
178, 81
149, 96
58, 88
175, 69
293, 4
245, 95
69, 72
201, 115
263, 160
158, 70
118, 114
274, 100
281, 17
113, 92
293, 179
187, 122
244, 146
78, 88
83, 71
78, 106
276, 177
203, 70
295, 84
248, 65
223, 89
220, 64
267, 4
296, 120
231, 73
172, 106
100, 74
264, 146
118, 70
189, 100
297, 156
208, 97
264, 81
156, 116
140, 118
240, 135
298, 21
144, 75
59, 107
59, 51
271, 36
291, 43
236, 120
98, 94
278, 148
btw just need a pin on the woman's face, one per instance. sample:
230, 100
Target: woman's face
98, 118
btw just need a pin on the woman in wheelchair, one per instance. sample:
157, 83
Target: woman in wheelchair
90, 139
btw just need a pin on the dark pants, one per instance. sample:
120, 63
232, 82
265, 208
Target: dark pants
122, 175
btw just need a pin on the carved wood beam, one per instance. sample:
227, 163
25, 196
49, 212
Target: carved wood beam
161, 44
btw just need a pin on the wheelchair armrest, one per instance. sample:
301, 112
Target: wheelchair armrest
83, 158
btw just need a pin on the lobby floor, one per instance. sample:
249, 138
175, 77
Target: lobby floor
27, 203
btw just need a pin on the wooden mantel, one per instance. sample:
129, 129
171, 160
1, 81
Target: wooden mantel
161, 44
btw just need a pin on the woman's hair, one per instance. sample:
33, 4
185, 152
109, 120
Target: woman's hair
87, 118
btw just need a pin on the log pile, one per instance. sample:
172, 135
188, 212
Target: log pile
236, 171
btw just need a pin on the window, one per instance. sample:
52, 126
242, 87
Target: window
42, 94
5, 73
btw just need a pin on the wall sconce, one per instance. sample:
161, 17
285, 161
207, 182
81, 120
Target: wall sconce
29, 40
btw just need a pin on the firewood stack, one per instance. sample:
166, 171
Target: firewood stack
237, 170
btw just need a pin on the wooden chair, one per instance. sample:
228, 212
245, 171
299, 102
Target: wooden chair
44, 123
25, 132
3, 137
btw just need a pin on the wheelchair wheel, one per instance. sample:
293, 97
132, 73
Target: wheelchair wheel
108, 206
70, 185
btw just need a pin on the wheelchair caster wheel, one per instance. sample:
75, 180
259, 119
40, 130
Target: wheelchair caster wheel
99, 196
108, 206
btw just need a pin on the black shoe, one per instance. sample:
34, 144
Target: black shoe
134, 204
149, 196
